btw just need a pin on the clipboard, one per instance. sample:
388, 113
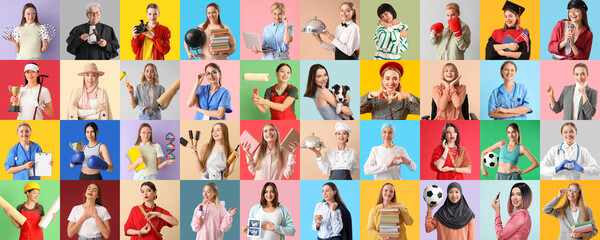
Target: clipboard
134, 153
42, 167
292, 136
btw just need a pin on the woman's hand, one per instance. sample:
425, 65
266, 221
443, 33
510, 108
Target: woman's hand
145, 230
550, 91
583, 94
149, 34
130, 90
257, 100
232, 211
10, 38
14, 99
430, 207
199, 221
317, 151
199, 79
135, 35
383, 23
333, 207
6, 210
318, 37
92, 212
269, 226
28, 165
329, 35
45, 42
393, 162
570, 37
245, 228
140, 160
191, 55
575, 235
101, 107
293, 147
403, 33
445, 145
151, 215
513, 46
254, 50
246, 146
561, 193
446, 169
496, 205
377, 94
285, 20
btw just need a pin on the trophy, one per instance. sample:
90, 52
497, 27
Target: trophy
76, 146
79, 156
14, 91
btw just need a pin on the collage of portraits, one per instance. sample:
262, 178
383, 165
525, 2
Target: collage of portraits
223, 119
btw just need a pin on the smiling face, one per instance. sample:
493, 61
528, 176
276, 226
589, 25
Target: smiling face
569, 133
283, 74
580, 75
208, 194
387, 135
451, 135
30, 14
512, 134
90, 78
278, 15
328, 193
454, 195
31, 76
387, 17
147, 193
146, 134
509, 71
90, 134
573, 193
152, 14
213, 75
269, 134
91, 192
575, 14
321, 78
93, 15
149, 72
516, 198
217, 132
510, 18
346, 12
24, 133
450, 13
342, 136
449, 73
388, 192
33, 195
390, 80
213, 14
269, 194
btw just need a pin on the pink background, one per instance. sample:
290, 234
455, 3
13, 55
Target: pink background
559, 74
258, 12
289, 197
189, 71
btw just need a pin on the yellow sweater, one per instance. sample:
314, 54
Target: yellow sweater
373, 223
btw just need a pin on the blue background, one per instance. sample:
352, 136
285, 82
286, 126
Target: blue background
528, 73
310, 190
191, 196
193, 13
73, 131
407, 135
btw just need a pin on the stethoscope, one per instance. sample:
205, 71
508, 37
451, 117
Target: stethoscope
501, 99
561, 149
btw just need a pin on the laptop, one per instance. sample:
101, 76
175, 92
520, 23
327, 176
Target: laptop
253, 40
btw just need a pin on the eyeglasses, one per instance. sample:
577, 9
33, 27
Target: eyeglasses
572, 190
213, 73
30, 14
94, 13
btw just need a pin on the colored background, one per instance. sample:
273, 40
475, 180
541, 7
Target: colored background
191, 197
193, 13
74, 197
371, 80
495, 131
406, 136
189, 70
326, 131
74, 131
431, 137
188, 167
341, 73
528, 74
260, 13
129, 133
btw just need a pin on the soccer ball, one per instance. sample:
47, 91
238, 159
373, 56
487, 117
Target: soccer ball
490, 160
432, 195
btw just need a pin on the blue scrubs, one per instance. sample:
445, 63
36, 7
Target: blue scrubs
17, 156
221, 98
501, 98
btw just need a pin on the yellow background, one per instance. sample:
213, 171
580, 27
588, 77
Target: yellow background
43, 132
492, 17
188, 168
407, 192
371, 81
134, 10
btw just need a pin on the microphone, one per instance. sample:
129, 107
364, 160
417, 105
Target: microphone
571, 27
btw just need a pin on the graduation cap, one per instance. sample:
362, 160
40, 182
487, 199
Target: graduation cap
577, 4
513, 7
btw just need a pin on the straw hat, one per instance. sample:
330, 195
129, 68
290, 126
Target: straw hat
90, 67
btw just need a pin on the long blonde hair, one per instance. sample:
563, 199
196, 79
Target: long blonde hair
214, 188
580, 203
211, 144
144, 81
455, 70
262, 150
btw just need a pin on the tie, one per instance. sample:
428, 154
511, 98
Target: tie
344, 25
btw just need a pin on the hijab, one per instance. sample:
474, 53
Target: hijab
87, 94
455, 215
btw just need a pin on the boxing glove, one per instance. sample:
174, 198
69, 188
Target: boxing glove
436, 28
454, 24
95, 162
77, 158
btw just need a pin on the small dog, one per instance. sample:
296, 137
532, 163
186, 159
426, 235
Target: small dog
339, 92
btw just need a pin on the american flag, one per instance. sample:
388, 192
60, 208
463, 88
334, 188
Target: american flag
525, 37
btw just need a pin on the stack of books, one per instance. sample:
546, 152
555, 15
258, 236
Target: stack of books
219, 41
389, 219
583, 227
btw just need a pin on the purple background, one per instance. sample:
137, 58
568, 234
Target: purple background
160, 128
470, 190
48, 12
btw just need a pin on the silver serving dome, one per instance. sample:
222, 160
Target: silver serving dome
314, 26
313, 142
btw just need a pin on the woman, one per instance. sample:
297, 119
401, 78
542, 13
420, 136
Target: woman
453, 39
211, 161
390, 36
210, 101
213, 27
89, 102
387, 200
90, 219
519, 224
510, 152
151, 155
509, 101
569, 160
21, 157
390, 102
454, 219
271, 161
33, 100
385, 160
146, 93
327, 104
511, 41
342, 161
277, 36
95, 153
32, 211
280, 98
332, 219
146, 220
30, 39
154, 42
346, 41
578, 100
450, 160
276, 219
571, 38
450, 95
577, 212
210, 219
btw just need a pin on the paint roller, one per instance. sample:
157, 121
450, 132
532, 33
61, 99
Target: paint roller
166, 97
121, 78
260, 77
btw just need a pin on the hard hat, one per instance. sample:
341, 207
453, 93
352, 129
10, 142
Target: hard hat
31, 185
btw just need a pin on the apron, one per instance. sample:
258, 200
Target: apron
340, 174
286, 114
30, 229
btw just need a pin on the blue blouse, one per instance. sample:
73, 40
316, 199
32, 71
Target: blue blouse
221, 98
17, 156
501, 98
273, 37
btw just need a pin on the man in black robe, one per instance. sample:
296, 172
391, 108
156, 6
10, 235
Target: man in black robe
93, 40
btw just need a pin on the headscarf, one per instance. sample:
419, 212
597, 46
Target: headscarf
86, 94
455, 215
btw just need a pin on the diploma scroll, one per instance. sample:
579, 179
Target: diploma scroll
169, 93
17, 216
48, 217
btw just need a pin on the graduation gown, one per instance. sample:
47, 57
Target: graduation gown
85, 51
498, 37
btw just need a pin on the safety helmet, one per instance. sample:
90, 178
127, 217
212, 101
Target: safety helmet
31, 185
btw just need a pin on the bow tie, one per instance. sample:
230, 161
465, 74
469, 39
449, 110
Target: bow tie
344, 25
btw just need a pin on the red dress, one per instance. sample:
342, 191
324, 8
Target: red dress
583, 43
137, 221
161, 43
457, 155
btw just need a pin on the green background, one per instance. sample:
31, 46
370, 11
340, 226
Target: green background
493, 131
12, 192
407, 12
248, 110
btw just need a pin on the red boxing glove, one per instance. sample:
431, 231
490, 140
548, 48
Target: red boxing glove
437, 28
455, 26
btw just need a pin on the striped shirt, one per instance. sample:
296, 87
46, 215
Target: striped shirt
388, 42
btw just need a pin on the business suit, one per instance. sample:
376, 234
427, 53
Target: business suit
586, 110
567, 222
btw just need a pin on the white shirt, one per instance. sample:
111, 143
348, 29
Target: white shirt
377, 163
568, 46
93, 37
576, 100
216, 163
268, 169
88, 229
273, 217
335, 159
553, 159
88, 113
347, 39
331, 224
27, 99
575, 214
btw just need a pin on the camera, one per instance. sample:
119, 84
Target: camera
141, 28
